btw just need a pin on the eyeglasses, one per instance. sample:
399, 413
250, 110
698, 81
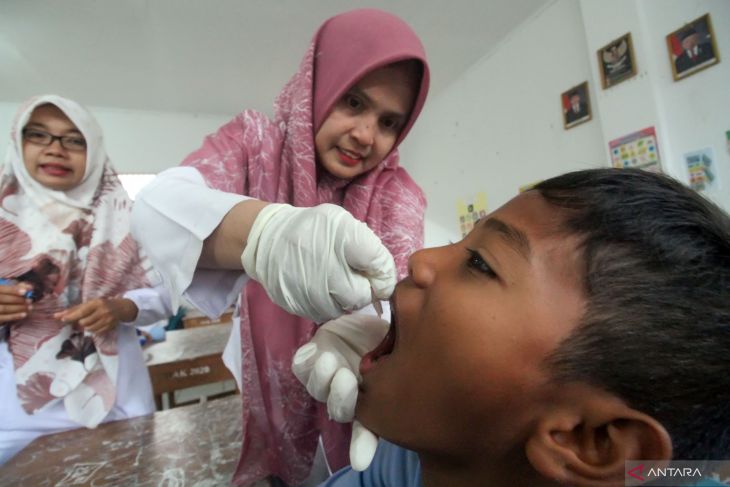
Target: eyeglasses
68, 142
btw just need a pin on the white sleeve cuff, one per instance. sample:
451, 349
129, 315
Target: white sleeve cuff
171, 218
153, 305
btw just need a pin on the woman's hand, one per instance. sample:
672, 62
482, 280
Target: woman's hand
317, 262
329, 368
99, 315
14, 305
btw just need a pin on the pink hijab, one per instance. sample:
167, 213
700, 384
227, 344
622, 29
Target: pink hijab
75, 245
276, 162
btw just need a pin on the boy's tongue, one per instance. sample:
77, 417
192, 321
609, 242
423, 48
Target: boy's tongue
370, 359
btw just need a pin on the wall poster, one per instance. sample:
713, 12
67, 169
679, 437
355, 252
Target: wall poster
470, 212
638, 150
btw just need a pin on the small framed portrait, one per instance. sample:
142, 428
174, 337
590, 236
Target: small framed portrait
692, 48
616, 61
576, 105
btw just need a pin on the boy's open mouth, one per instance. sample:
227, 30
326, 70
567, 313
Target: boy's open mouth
385, 348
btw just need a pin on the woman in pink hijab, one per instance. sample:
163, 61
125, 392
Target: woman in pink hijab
334, 138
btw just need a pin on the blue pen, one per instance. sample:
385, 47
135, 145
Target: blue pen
29, 294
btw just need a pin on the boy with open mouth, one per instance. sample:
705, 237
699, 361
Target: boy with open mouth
581, 325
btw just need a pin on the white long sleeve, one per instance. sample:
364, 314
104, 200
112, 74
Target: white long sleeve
153, 305
172, 216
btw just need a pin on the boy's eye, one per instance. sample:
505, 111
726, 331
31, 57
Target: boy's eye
476, 262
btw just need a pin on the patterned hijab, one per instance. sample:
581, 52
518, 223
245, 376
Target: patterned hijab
73, 246
275, 161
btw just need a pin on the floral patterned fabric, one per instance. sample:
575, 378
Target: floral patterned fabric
275, 161
73, 246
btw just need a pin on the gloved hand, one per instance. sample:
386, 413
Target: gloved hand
317, 262
329, 367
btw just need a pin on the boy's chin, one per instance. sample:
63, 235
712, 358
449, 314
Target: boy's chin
367, 415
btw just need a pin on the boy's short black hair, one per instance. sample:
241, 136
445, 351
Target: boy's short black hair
656, 331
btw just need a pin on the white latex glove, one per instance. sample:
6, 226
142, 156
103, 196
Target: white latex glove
329, 367
317, 262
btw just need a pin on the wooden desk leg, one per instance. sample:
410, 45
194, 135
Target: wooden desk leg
158, 402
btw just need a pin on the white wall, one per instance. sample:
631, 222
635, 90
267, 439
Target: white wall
141, 141
500, 125
688, 114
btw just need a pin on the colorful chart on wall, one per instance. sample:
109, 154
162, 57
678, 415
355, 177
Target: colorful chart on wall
701, 173
470, 211
638, 149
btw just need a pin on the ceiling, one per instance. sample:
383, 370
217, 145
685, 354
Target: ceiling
211, 56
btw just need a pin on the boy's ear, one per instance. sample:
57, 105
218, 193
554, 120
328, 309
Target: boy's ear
585, 443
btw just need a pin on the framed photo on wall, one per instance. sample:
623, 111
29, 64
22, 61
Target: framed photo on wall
576, 105
616, 61
692, 48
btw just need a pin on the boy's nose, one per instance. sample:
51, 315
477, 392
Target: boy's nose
422, 268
